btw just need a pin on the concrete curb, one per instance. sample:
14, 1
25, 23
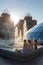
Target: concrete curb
21, 56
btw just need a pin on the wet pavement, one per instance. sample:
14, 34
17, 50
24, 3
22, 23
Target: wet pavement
36, 61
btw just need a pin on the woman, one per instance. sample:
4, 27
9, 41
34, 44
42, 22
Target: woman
30, 45
24, 46
27, 46
35, 43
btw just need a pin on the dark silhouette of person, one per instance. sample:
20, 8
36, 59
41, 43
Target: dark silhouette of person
25, 46
35, 43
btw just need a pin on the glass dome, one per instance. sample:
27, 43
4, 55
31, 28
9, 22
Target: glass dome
35, 32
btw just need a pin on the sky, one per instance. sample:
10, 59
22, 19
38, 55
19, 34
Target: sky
19, 8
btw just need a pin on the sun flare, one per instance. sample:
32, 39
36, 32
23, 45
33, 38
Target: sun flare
15, 18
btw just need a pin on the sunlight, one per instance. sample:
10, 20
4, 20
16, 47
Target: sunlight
15, 18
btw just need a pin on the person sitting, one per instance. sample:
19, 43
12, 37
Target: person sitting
35, 43
24, 46
27, 46
30, 46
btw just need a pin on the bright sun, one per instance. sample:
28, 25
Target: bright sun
15, 18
